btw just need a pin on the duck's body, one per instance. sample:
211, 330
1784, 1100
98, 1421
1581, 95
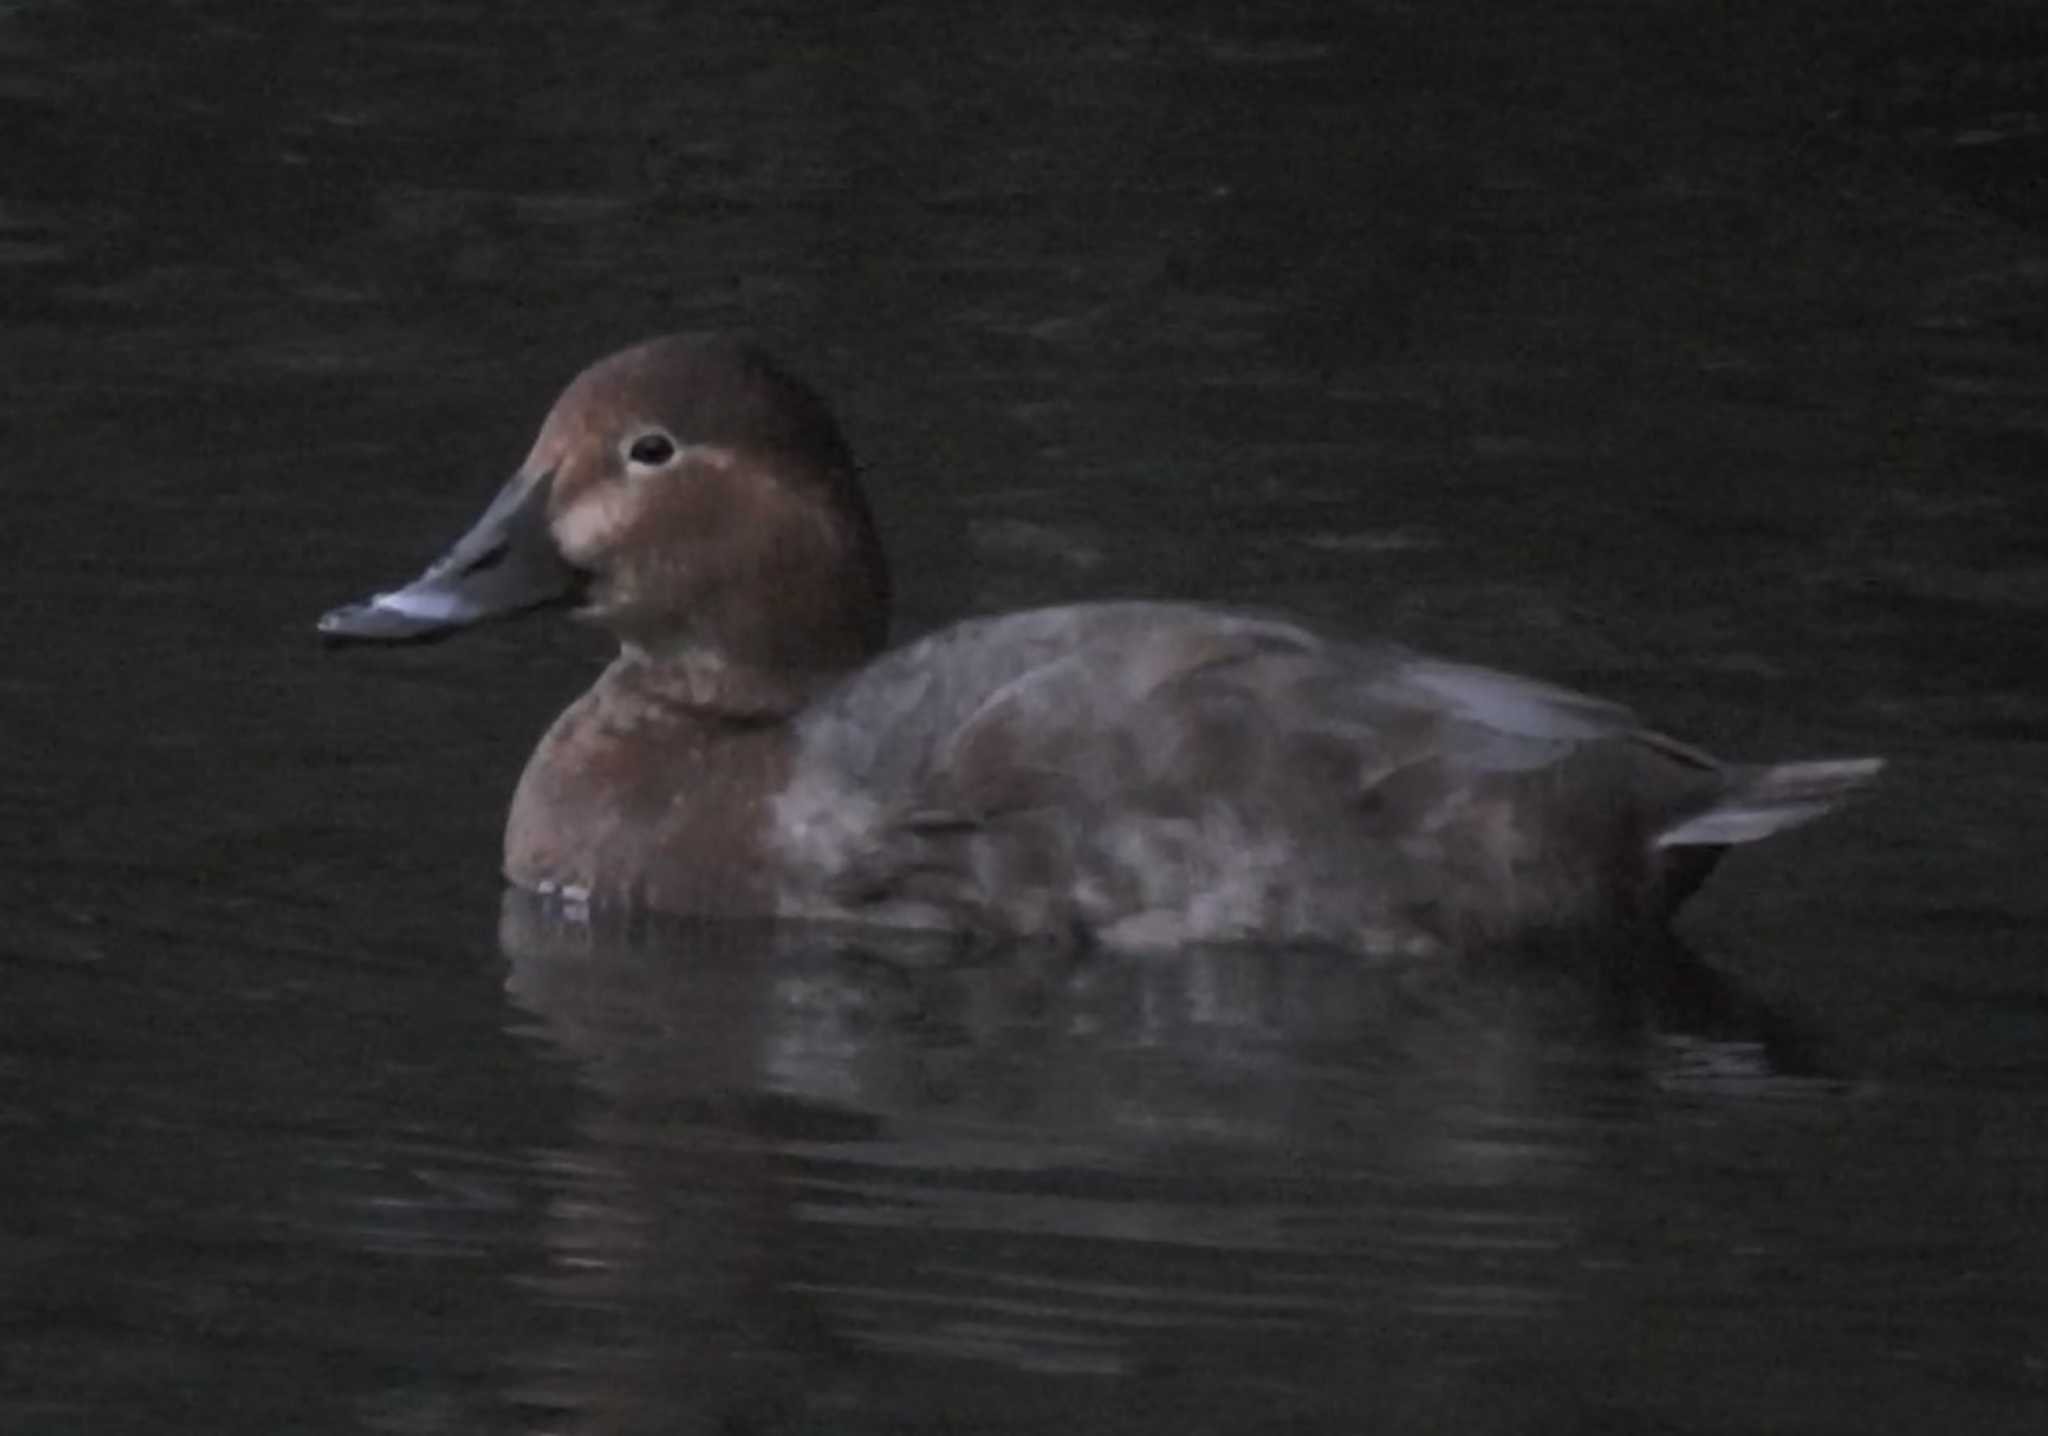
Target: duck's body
1139, 774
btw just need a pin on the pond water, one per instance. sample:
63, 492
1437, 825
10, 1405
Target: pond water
1688, 354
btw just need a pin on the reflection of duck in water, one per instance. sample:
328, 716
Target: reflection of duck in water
813, 1181
1138, 774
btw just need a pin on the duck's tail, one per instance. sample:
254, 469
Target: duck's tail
1762, 800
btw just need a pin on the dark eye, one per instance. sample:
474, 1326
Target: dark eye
652, 450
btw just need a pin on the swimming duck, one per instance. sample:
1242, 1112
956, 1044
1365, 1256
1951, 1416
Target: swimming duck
1135, 774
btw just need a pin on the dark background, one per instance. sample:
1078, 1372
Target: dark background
1687, 352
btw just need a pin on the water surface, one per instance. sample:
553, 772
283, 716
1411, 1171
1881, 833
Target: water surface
1691, 357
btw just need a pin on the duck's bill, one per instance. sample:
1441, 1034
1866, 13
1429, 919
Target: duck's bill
505, 565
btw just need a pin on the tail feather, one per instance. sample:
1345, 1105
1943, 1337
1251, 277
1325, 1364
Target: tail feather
1761, 801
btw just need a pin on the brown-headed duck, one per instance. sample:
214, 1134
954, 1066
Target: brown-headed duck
1138, 774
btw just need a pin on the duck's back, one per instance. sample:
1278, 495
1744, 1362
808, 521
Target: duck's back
1150, 774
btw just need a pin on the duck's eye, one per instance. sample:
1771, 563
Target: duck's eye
651, 450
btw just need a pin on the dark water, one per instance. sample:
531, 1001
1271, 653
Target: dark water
1686, 352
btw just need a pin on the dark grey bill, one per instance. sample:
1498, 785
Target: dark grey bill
506, 564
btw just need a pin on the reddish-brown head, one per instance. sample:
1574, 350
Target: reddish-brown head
698, 501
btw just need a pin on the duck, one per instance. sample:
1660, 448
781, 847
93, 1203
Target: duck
1135, 774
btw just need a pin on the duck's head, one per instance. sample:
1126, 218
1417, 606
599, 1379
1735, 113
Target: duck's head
685, 494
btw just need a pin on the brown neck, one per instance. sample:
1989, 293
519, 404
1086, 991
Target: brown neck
710, 685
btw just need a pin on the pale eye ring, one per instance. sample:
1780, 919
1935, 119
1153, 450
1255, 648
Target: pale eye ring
650, 450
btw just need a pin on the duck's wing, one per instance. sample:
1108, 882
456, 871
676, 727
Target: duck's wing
987, 770
1195, 772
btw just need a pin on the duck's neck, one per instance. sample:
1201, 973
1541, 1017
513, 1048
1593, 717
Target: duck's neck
711, 686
